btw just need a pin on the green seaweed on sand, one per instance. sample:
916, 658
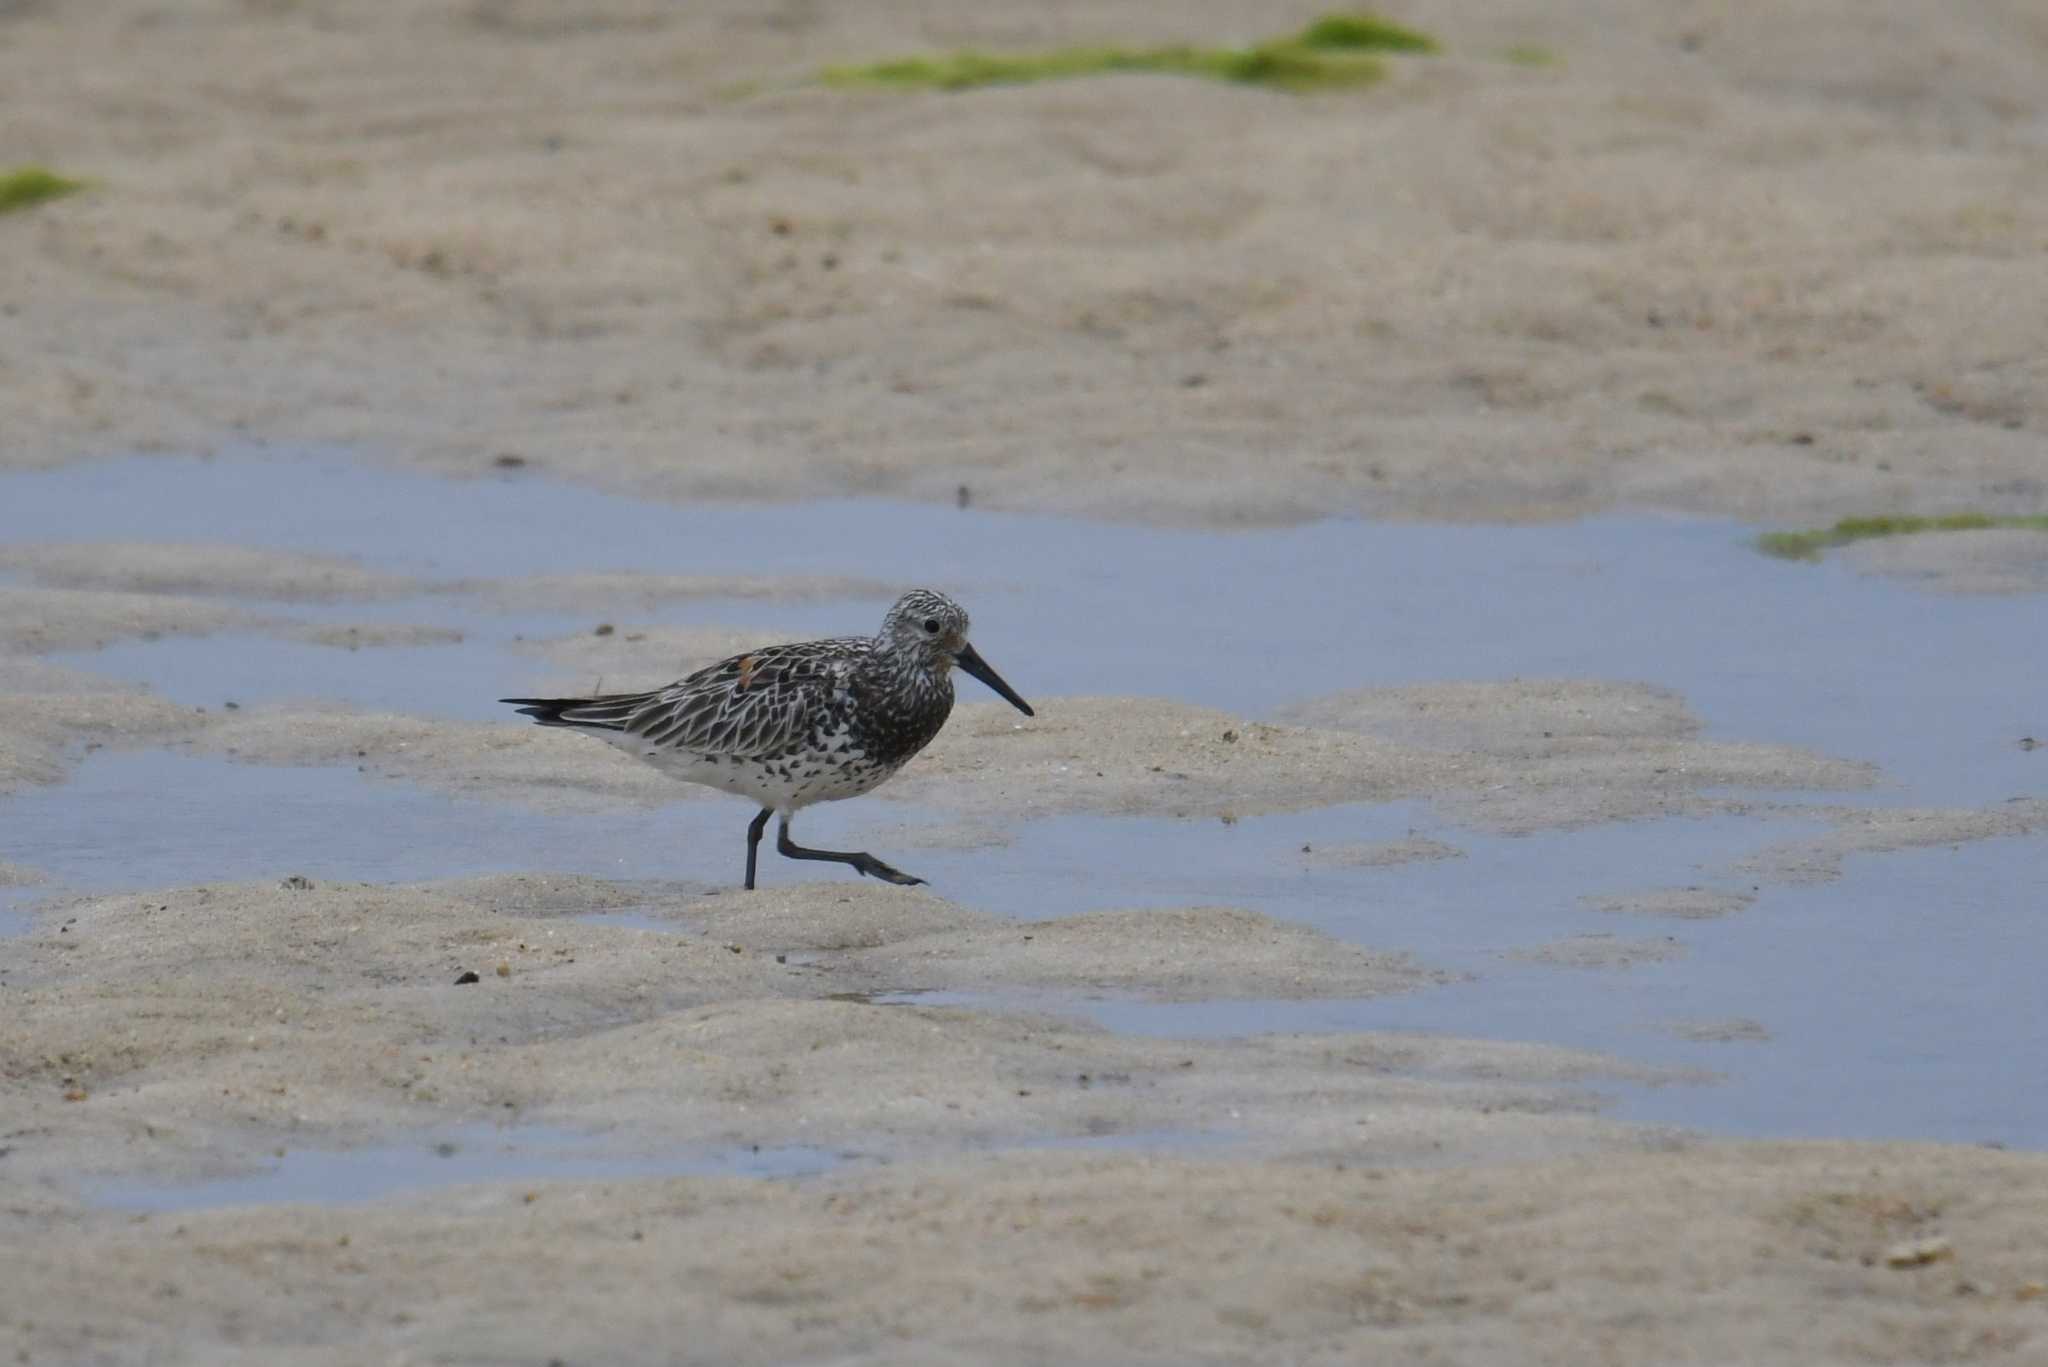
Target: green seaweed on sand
1808, 545
1334, 52
27, 186
1363, 32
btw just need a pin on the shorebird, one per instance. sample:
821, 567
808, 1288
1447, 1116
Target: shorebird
789, 725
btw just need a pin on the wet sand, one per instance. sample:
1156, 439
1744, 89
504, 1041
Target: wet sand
1784, 267
1820, 859
1415, 1190
1107, 1259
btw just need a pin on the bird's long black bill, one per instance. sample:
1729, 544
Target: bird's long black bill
968, 660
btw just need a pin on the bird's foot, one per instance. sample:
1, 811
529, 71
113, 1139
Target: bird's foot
875, 868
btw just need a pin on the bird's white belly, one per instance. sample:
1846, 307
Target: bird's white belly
785, 784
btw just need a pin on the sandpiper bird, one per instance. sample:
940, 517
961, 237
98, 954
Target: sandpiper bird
790, 725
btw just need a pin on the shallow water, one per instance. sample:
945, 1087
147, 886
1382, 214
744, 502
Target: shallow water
144, 819
17, 909
1247, 621
1901, 1001
1898, 1000
459, 681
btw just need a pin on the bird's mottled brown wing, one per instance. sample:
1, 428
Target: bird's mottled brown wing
759, 703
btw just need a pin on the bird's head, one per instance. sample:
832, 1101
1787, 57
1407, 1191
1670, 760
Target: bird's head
929, 630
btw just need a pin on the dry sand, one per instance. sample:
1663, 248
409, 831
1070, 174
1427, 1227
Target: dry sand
1819, 1254
1782, 265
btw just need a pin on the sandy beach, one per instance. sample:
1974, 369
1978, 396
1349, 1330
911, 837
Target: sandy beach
1777, 266
1225, 1031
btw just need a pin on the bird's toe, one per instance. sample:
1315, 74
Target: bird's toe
877, 869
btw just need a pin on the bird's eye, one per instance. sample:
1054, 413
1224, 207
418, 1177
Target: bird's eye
931, 624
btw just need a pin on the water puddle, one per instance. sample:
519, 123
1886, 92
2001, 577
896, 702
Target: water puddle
1900, 1002
130, 820
1499, 892
460, 681
1891, 1002
16, 908
1247, 621
461, 1157
1897, 1001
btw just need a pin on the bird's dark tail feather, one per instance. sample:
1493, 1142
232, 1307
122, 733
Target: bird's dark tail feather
608, 713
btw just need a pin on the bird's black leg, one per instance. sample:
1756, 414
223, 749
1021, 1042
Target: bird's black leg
865, 863
754, 829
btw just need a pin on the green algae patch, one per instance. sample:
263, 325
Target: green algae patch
1333, 53
1283, 66
1291, 67
27, 186
1363, 33
1808, 545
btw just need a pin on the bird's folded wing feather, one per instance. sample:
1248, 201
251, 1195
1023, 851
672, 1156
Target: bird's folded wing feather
759, 703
